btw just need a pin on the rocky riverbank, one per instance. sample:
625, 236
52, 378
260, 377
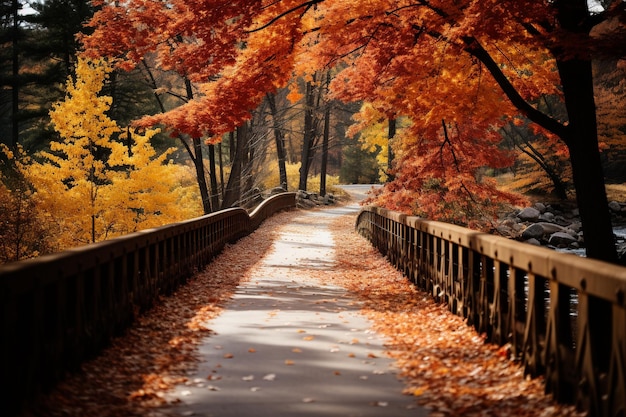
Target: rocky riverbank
557, 226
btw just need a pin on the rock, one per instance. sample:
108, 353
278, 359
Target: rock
547, 217
534, 231
308, 200
549, 228
561, 221
305, 203
576, 226
529, 214
561, 239
534, 242
541, 207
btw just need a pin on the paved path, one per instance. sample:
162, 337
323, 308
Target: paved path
289, 344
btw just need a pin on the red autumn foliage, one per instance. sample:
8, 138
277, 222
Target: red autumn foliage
470, 63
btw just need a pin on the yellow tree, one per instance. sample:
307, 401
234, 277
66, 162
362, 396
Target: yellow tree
92, 186
76, 168
151, 191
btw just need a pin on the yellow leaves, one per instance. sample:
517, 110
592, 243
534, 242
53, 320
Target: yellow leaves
92, 184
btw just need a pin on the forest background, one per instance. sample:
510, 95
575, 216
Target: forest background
83, 160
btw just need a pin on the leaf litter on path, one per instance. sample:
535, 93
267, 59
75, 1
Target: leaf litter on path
445, 364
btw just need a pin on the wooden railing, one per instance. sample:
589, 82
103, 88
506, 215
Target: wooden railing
563, 316
58, 310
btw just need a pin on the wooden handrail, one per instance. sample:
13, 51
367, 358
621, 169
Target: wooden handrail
564, 316
58, 310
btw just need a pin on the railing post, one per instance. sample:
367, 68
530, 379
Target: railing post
500, 306
559, 351
616, 395
591, 364
535, 327
485, 295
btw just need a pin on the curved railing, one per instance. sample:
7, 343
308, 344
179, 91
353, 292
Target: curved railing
59, 309
563, 316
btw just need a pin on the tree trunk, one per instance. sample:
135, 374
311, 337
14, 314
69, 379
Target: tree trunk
390, 156
199, 165
280, 142
582, 140
232, 147
221, 162
198, 161
309, 136
215, 200
15, 75
325, 140
232, 194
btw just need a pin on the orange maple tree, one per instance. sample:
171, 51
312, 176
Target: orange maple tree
469, 63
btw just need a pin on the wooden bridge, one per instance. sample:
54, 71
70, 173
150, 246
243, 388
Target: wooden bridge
564, 317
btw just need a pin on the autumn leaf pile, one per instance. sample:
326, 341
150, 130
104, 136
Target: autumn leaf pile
445, 364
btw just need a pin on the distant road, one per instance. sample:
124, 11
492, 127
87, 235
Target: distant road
358, 191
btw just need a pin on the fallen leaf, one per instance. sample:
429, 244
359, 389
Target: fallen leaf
288, 362
296, 350
228, 356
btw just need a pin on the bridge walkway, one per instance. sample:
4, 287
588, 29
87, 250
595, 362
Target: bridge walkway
292, 339
292, 343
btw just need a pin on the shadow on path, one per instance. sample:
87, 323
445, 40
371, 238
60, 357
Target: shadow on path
290, 343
